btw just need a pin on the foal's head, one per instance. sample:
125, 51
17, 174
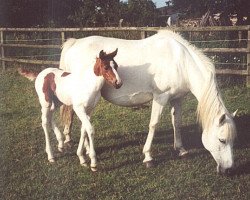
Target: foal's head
106, 66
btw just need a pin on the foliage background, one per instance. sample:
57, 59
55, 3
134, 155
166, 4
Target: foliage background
88, 13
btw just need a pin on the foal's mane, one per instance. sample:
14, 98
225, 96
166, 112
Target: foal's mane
210, 104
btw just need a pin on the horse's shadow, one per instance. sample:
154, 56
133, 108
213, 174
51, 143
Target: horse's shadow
242, 142
191, 136
242, 169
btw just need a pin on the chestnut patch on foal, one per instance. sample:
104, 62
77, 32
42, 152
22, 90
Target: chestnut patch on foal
65, 74
49, 87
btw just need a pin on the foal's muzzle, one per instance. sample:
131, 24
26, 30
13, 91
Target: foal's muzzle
118, 84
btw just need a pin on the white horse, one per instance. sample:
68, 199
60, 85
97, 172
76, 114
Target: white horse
81, 90
162, 68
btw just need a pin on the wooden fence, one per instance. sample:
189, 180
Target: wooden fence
61, 32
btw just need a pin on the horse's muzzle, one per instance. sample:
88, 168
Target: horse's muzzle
226, 172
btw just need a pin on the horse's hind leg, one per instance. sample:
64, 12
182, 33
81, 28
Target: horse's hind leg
176, 121
67, 114
46, 122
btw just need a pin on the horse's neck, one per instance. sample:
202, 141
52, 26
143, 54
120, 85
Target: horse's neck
210, 103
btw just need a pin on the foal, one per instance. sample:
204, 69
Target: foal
82, 91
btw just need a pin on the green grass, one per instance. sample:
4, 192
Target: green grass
120, 135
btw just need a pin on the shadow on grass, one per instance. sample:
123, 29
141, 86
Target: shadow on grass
191, 136
243, 134
162, 146
243, 142
242, 169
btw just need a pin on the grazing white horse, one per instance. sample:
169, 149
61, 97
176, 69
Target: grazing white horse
81, 90
162, 68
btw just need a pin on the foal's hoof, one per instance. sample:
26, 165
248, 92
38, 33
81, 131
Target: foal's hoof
93, 169
60, 149
149, 164
84, 164
52, 160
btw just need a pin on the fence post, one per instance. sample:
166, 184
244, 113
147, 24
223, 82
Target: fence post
240, 36
143, 34
2, 51
248, 58
63, 37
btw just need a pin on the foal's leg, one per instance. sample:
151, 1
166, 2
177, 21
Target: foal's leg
156, 112
86, 126
46, 121
58, 134
176, 121
80, 148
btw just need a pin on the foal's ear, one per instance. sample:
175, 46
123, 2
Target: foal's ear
113, 54
102, 55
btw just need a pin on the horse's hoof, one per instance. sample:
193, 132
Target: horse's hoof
60, 149
93, 169
52, 160
183, 153
84, 164
149, 164
69, 144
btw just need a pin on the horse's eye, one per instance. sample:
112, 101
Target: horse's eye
222, 141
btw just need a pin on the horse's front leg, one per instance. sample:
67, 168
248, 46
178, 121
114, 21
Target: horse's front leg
176, 122
157, 108
89, 129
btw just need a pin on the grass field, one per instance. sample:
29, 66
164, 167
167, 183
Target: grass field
120, 136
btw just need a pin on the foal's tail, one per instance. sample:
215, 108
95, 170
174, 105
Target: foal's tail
31, 75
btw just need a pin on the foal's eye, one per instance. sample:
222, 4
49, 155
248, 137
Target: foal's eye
106, 67
222, 141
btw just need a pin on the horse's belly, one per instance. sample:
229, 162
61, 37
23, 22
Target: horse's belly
126, 99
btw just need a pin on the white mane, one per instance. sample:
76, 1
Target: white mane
211, 104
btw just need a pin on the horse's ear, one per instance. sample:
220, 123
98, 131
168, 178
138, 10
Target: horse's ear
102, 55
222, 119
234, 114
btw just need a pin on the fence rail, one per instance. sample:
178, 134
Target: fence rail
143, 33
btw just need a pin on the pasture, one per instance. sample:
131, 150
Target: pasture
120, 135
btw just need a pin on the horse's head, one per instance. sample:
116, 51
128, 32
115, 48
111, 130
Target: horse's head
106, 66
219, 140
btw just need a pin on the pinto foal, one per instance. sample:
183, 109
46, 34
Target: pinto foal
82, 91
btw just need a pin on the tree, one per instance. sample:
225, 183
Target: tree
197, 8
33, 13
141, 12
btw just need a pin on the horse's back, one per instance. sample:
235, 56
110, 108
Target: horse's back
146, 66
